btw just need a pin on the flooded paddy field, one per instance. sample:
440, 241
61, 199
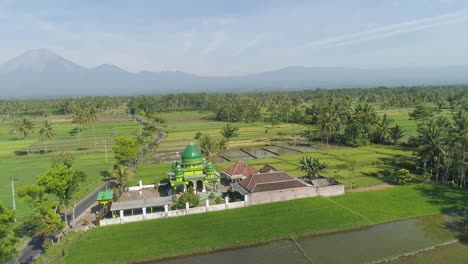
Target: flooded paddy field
367, 245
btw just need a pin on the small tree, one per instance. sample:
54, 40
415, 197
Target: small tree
403, 176
125, 149
7, 237
229, 132
189, 196
312, 166
62, 182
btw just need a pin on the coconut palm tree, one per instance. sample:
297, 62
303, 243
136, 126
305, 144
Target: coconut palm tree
79, 118
384, 128
229, 132
327, 125
432, 150
208, 146
312, 167
396, 133
121, 175
25, 128
47, 133
92, 117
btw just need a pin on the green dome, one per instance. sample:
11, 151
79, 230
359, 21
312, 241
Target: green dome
191, 153
209, 166
179, 169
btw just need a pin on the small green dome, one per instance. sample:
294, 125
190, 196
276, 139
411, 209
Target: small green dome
209, 166
191, 153
179, 171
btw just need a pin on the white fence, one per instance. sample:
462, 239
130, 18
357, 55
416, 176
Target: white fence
173, 213
140, 186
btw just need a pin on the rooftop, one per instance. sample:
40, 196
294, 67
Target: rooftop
269, 181
240, 168
105, 196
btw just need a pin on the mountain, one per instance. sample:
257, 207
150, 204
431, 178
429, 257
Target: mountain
42, 73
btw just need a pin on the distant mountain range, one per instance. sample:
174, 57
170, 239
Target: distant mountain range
42, 73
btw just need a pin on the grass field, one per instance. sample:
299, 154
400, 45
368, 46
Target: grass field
232, 228
15, 163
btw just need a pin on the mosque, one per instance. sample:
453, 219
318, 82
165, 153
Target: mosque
193, 171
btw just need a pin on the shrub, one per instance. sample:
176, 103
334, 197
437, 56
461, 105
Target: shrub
218, 200
403, 176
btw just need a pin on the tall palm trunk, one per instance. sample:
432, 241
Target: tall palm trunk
94, 136
45, 146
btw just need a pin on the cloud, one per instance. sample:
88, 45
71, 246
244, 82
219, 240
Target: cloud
391, 30
214, 44
248, 45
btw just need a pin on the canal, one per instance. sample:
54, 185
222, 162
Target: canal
366, 245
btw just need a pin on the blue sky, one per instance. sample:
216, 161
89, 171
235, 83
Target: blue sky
238, 37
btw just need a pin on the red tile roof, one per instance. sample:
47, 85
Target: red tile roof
240, 168
277, 180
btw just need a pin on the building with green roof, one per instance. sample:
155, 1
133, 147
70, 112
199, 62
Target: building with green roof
193, 171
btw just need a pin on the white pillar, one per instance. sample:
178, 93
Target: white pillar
144, 213
186, 208
246, 200
140, 183
204, 187
166, 209
121, 216
226, 201
207, 204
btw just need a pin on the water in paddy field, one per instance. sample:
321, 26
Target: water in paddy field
259, 152
282, 151
236, 155
364, 245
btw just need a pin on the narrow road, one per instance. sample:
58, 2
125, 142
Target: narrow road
33, 249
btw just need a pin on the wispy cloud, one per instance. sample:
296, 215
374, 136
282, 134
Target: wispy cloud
248, 45
214, 44
391, 30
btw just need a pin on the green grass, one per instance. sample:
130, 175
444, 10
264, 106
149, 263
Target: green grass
231, 228
15, 163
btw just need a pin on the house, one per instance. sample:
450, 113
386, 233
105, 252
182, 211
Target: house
275, 186
238, 171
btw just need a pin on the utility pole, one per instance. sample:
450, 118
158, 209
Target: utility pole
74, 221
13, 179
105, 148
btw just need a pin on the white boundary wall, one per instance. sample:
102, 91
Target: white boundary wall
323, 191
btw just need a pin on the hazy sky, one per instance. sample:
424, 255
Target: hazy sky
236, 37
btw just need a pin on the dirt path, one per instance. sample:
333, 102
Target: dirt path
373, 188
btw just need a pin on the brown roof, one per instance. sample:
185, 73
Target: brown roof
240, 168
277, 180
267, 168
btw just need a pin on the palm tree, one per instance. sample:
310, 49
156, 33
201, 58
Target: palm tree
327, 125
312, 167
396, 133
461, 129
384, 128
121, 175
92, 117
432, 151
79, 118
25, 127
47, 133
208, 146
229, 132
